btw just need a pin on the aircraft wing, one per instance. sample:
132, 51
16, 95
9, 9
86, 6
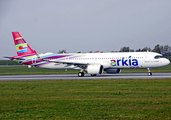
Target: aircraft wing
65, 62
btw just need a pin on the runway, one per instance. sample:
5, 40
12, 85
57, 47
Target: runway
86, 77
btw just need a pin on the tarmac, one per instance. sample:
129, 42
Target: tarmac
86, 77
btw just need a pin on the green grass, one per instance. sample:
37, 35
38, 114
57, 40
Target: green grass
34, 70
20, 70
86, 99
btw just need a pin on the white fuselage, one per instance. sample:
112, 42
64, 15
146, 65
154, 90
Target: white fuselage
119, 60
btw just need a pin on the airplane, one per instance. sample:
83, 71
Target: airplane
92, 63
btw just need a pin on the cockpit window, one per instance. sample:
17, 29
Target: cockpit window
158, 56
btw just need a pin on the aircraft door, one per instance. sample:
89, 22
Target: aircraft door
33, 59
147, 58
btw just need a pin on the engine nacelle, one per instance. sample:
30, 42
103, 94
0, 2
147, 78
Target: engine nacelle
95, 69
113, 71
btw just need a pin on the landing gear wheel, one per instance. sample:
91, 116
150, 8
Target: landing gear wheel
80, 74
93, 75
149, 73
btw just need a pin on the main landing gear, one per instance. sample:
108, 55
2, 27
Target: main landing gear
80, 74
149, 72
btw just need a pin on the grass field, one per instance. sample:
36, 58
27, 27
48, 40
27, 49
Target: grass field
86, 99
34, 70
25, 70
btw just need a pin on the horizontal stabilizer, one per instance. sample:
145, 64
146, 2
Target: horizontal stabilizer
15, 58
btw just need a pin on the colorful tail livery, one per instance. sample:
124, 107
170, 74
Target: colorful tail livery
92, 63
21, 46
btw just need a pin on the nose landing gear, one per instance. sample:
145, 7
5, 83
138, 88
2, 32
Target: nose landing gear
149, 72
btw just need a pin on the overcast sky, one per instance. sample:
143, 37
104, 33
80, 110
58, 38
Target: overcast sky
84, 25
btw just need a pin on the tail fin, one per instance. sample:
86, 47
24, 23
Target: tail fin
21, 46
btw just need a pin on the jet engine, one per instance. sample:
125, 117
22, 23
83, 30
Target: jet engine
112, 71
94, 69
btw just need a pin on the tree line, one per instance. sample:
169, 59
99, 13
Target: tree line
164, 50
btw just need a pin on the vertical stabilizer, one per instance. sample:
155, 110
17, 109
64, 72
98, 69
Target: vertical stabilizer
21, 46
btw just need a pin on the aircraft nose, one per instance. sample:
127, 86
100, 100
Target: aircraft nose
167, 62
